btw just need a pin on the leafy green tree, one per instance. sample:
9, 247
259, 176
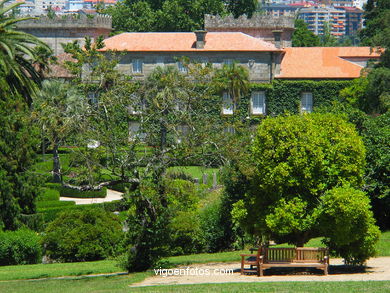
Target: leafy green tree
296, 160
83, 235
302, 36
347, 222
327, 39
168, 15
58, 108
240, 7
17, 53
376, 34
18, 186
376, 136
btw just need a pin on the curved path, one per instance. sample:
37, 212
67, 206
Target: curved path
111, 196
378, 269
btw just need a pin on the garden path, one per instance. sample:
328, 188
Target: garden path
111, 196
378, 269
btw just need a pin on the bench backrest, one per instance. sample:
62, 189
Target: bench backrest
311, 254
289, 255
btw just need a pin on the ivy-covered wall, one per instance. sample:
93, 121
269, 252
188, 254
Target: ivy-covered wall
284, 96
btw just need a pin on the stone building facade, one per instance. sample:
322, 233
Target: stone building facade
141, 53
66, 28
277, 30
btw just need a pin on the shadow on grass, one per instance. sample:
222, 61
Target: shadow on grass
333, 270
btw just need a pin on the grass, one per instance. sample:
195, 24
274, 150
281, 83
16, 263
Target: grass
121, 284
57, 270
383, 245
196, 172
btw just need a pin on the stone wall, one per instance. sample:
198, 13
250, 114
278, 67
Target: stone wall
259, 26
262, 66
67, 28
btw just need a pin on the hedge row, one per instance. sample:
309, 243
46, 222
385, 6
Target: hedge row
68, 192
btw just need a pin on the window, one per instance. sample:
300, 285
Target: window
258, 103
137, 66
160, 61
229, 129
228, 62
182, 68
134, 131
307, 102
92, 98
137, 105
227, 104
182, 132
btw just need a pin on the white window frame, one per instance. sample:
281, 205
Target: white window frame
258, 107
181, 67
227, 104
307, 102
137, 66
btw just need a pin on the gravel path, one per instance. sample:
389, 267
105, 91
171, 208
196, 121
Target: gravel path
378, 269
111, 196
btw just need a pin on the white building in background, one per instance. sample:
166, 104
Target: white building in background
359, 3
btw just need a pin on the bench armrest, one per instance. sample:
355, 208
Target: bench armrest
326, 259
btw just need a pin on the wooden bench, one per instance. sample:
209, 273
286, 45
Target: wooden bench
268, 257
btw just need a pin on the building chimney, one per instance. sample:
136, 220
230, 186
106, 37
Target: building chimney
277, 38
200, 39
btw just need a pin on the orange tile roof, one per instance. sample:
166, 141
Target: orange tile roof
323, 62
185, 42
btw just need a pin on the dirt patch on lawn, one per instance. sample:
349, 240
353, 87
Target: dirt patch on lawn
377, 269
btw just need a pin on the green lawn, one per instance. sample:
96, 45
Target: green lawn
57, 270
109, 266
121, 284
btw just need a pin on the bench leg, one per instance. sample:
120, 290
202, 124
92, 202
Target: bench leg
260, 270
242, 267
326, 270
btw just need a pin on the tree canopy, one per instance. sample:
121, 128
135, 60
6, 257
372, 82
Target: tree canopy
302, 36
296, 160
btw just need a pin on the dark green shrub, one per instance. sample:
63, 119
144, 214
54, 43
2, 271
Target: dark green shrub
49, 194
68, 192
20, 247
83, 235
33, 222
53, 204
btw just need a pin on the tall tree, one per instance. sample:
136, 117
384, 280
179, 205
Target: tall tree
16, 53
376, 34
240, 7
302, 36
58, 108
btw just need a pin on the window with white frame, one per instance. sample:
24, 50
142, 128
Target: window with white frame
258, 103
227, 104
181, 67
135, 131
306, 102
137, 65
228, 62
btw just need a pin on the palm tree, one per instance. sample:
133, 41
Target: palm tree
233, 79
16, 55
58, 108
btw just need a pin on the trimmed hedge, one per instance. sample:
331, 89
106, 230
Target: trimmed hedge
53, 203
68, 192
49, 194
20, 247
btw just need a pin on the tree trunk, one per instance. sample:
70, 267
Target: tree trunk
56, 164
